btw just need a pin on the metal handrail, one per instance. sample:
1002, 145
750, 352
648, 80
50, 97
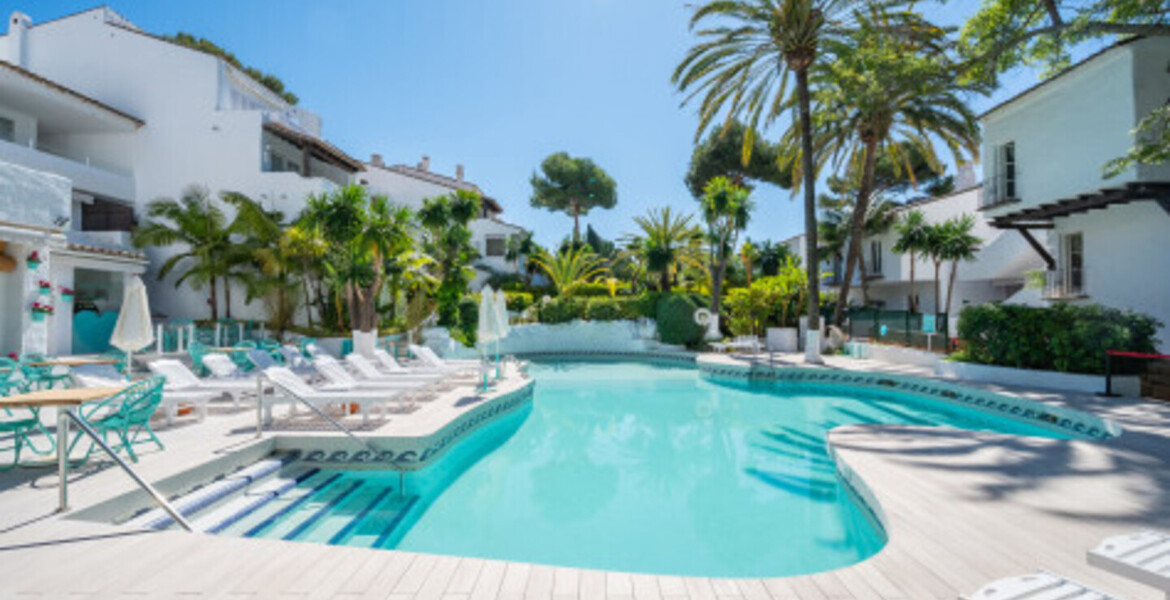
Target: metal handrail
145, 485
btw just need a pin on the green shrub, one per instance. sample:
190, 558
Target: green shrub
646, 305
611, 309
468, 319
676, 320
589, 289
517, 301
1064, 337
561, 310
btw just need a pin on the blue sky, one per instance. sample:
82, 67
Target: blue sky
496, 86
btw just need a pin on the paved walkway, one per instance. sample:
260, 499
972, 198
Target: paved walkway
963, 508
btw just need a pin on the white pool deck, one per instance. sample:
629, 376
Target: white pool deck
963, 509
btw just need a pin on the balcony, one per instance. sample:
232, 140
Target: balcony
85, 174
1063, 285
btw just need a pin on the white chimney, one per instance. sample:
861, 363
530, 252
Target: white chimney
376, 160
18, 25
965, 176
459, 172
424, 164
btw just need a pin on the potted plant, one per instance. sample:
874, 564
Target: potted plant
46, 286
40, 311
33, 261
66, 294
790, 289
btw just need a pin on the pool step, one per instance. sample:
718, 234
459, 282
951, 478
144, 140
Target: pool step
203, 497
335, 520
303, 511
268, 512
223, 516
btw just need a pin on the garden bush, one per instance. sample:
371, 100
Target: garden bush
676, 320
1067, 338
561, 310
646, 305
468, 319
611, 309
518, 301
588, 289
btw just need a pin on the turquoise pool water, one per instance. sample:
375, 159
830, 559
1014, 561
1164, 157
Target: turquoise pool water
634, 467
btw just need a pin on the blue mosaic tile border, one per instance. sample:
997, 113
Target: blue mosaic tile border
410, 455
1062, 420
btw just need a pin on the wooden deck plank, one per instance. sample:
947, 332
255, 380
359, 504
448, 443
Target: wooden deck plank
491, 576
540, 583
566, 582
439, 579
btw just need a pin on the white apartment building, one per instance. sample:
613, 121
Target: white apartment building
1045, 148
409, 186
67, 196
170, 117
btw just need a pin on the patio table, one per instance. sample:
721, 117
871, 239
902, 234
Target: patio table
66, 400
73, 361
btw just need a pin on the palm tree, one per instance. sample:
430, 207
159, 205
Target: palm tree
518, 247
889, 95
958, 244
771, 257
445, 221
667, 240
196, 224
740, 67
571, 266
726, 208
913, 237
879, 219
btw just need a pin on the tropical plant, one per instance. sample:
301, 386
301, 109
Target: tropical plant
571, 267
913, 238
520, 247
726, 208
1151, 143
741, 67
260, 259
722, 154
200, 227
667, 240
958, 244
771, 256
888, 94
446, 221
572, 185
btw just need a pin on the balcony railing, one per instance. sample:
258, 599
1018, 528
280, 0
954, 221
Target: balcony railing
85, 173
999, 190
109, 240
1061, 285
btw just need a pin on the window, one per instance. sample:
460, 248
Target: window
496, 245
1005, 176
104, 215
875, 257
1074, 264
7, 129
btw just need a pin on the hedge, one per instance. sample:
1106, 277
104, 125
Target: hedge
611, 309
561, 310
676, 320
517, 301
468, 319
1066, 338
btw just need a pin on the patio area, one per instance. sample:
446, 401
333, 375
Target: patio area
963, 508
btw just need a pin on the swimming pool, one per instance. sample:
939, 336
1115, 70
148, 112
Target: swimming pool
634, 467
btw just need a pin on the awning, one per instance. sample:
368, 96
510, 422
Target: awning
1040, 217
319, 148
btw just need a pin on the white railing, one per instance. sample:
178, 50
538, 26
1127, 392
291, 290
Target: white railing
110, 240
85, 173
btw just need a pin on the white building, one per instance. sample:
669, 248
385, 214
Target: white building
409, 186
66, 194
1045, 148
173, 117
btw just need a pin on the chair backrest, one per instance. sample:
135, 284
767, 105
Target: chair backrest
261, 359
136, 403
427, 355
103, 372
11, 376
220, 365
363, 366
177, 374
286, 379
333, 371
387, 360
293, 357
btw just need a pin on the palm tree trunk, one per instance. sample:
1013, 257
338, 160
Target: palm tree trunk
213, 300
857, 229
576, 225
227, 296
951, 284
664, 280
912, 302
863, 275
717, 285
937, 296
810, 199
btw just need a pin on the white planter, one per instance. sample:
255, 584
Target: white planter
812, 347
364, 342
783, 339
1126, 385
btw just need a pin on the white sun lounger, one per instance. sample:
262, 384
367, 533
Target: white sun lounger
179, 377
367, 371
1143, 556
222, 367
295, 361
292, 388
336, 377
428, 357
1041, 585
391, 365
174, 399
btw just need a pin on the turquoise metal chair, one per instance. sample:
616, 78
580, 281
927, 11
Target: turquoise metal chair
20, 424
303, 346
126, 415
43, 378
240, 355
